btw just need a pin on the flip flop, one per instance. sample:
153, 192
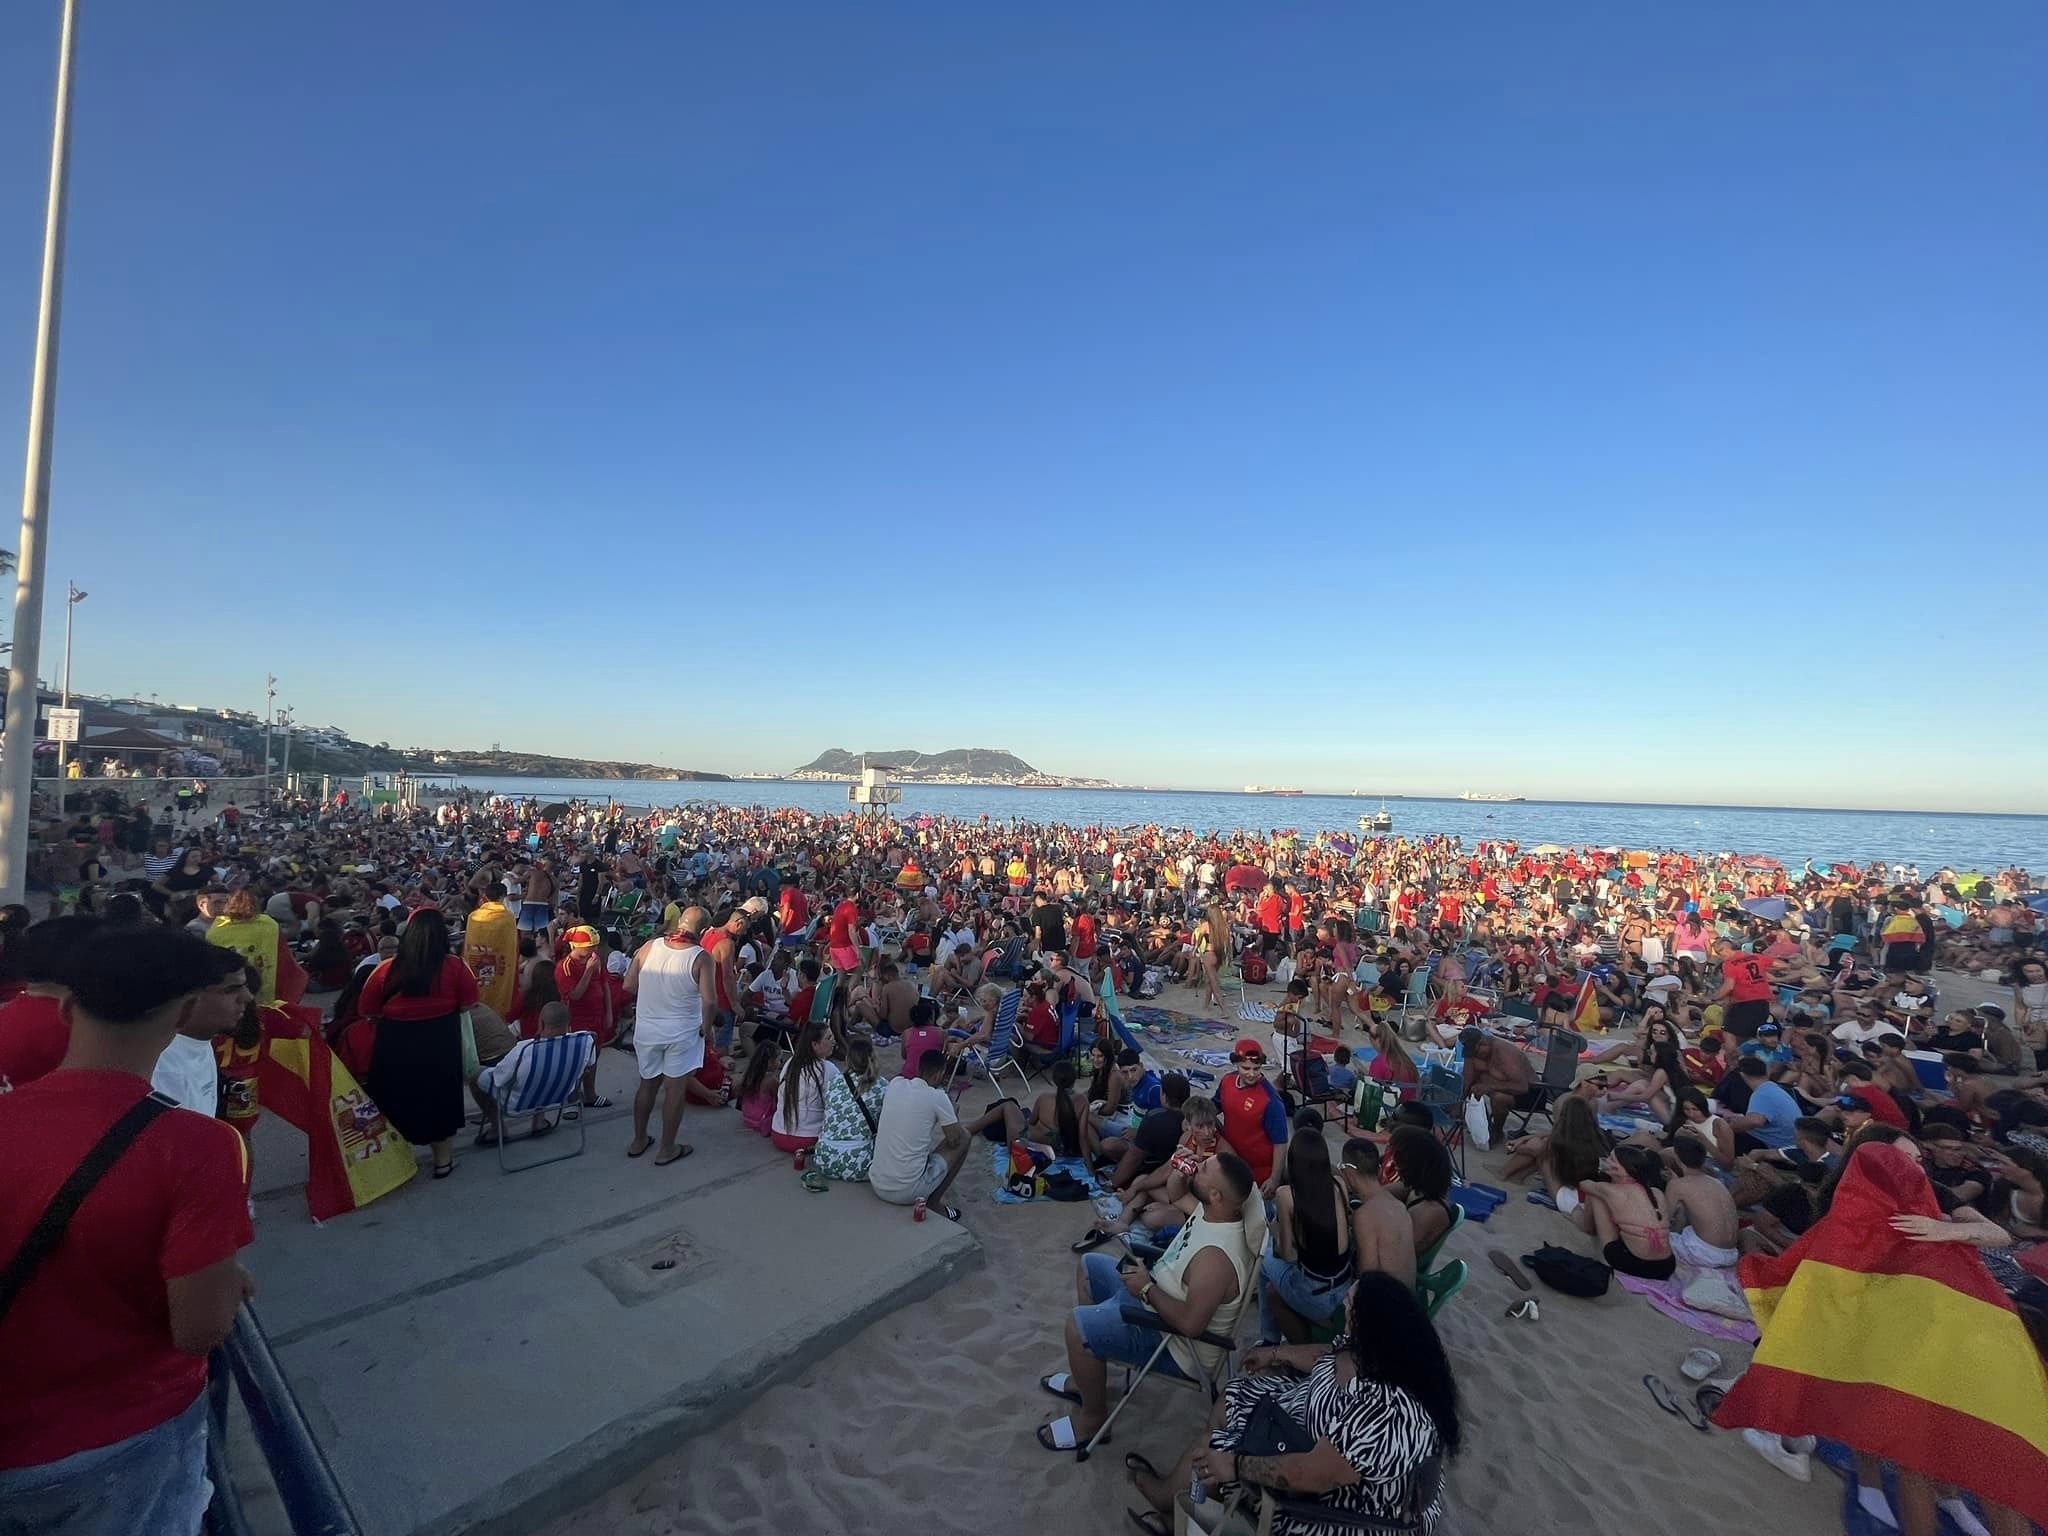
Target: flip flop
681, 1153
815, 1181
1660, 1394
1499, 1259
1052, 1434
1094, 1237
1689, 1411
1537, 1197
641, 1150
1061, 1385
1135, 1462
1150, 1521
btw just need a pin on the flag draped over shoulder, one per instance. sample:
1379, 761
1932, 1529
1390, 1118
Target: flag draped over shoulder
1586, 1010
353, 1155
1906, 1350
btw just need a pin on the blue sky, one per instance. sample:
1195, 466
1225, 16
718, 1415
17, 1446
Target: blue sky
1561, 400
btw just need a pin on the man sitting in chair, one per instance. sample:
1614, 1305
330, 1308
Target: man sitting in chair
1502, 1075
1198, 1286
501, 1079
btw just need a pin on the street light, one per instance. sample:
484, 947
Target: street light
70, 607
269, 714
18, 762
284, 718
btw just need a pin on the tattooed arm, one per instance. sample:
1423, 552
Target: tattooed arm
1306, 1475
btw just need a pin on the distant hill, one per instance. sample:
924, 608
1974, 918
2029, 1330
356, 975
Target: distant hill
962, 763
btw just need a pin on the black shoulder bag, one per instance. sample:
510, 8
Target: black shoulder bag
49, 1229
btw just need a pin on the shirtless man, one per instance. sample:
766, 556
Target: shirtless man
1704, 1221
888, 1005
1381, 1232
537, 900
1499, 1073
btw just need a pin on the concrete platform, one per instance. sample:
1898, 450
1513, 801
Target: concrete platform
487, 1351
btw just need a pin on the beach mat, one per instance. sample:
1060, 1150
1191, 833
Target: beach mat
999, 1168
1665, 1296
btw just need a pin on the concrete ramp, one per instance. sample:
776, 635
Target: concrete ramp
487, 1351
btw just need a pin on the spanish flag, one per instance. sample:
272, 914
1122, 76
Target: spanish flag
1906, 1350
353, 1156
1586, 1011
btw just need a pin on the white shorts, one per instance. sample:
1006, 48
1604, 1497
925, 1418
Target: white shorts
1686, 1245
934, 1174
672, 1058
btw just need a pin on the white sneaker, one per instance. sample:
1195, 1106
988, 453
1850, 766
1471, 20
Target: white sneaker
1796, 1465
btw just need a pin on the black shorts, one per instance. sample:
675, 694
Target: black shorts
1619, 1258
1743, 1020
1529, 1098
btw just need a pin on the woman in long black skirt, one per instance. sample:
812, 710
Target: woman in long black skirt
418, 999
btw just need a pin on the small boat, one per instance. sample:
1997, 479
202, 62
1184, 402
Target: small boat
1381, 820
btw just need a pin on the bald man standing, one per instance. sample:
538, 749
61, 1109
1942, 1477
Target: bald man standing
670, 977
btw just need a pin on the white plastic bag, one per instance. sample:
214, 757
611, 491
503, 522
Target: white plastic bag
1476, 1127
1283, 973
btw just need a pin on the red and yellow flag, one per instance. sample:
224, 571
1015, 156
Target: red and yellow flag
1586, 1011
353, 1155
1906, 1350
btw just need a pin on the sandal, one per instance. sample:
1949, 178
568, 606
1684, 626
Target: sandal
484, 1139
600, 1102
1660, 1394
1094, 1237
1052, 1435
1135, 1462
815, 1181
442, 1170
1150, 1521
1060, 1385
681, 1152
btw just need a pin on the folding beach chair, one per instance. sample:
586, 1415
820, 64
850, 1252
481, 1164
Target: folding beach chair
821, 999
1442, 1092
1001, 1050
1012, 962
1210, 1383
1301, 1076
552, 1075
1560, 1072
1409, 1520
1427, 1258
1417, 995
1519, 1008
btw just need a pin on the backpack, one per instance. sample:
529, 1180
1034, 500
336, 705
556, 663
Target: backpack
1062, 1185
1572, 1273
1252, 967
1315, 1076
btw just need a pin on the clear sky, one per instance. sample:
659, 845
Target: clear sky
1594, 401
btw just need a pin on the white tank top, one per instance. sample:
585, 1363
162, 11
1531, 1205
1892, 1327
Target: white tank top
671, 1006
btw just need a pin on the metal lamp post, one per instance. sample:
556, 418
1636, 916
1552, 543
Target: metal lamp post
18, 762
70, 607
269, 714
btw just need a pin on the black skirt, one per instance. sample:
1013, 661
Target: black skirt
416, 1076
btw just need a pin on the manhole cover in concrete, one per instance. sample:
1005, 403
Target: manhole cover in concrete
650, 1269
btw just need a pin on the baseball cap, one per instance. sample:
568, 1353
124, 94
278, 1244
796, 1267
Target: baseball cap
1768, 1029
1849, 1101
1248, 1049
754, 904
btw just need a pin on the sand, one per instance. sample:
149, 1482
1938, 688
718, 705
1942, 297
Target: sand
923, 1422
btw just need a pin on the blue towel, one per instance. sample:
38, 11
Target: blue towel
1000, 1168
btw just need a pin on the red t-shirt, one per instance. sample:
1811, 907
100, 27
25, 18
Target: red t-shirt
1042, 1026
1269, 912
1882, 1106
845, 917
88, 1341
1084, 937
454, 990
1751, 975
794, 910
800, 1002
33, 1039
1244, 1125
587, 1011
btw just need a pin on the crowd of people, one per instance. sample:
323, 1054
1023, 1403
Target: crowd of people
763, 961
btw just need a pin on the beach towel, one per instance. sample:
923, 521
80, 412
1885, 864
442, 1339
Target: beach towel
1075, 1167
1255, 1013
1665, 1296
353, 1155
1905, 1350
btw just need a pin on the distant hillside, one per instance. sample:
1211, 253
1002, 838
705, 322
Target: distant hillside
963, 763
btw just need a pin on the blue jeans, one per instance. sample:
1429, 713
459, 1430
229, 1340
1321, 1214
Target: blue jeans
1307, 1297
155, 1481
1104, 1333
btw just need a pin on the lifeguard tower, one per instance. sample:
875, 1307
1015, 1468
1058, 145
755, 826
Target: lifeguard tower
872, 794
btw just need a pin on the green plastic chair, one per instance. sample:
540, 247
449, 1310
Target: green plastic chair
1426, 1260
1440, 1285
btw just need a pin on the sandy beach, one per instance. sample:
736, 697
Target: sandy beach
924, 1420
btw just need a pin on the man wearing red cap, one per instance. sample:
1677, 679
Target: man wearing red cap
1254, 1116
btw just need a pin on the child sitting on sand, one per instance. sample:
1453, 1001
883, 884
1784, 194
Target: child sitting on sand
1704, 1221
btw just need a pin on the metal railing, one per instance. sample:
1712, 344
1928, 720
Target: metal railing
306, 1485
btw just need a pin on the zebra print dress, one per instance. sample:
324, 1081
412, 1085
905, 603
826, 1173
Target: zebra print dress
1382, 1431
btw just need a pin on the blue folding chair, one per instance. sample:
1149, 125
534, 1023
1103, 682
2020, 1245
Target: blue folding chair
547, 1079
1001, 1050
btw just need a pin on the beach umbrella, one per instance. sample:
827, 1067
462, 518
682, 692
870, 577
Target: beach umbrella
1246, 877
555, 808
1546, 848
1770, 908
1344, 845
2038, 904
1759, 861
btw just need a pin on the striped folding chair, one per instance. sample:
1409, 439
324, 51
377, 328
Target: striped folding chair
1001, 1050
547, 1080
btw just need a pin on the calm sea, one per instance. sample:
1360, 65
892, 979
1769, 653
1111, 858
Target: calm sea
1929, 839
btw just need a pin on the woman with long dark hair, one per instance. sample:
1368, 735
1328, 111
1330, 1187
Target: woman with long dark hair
800, 1099
1308, 1267
1380, 1405
419, 998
